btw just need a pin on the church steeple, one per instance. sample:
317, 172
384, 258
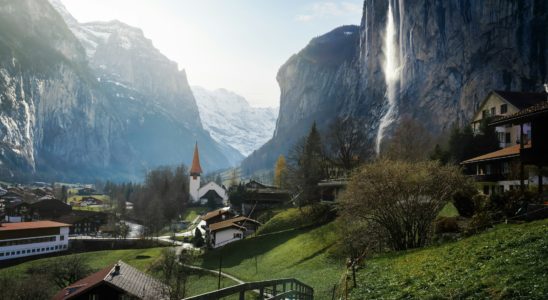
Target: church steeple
196, 169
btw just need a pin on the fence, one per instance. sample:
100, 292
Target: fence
287, 288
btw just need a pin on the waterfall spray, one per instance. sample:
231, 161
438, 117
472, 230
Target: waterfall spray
391, 76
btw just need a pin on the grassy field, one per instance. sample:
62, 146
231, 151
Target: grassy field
142, 259
192, 212
301, 254
78, 198
510, 261
449, 210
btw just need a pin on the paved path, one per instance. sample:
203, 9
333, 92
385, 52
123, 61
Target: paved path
216, 272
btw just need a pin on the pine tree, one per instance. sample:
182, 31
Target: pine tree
312, 166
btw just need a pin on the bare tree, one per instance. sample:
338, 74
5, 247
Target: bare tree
174, 273
410, 142
402, 198
347, 142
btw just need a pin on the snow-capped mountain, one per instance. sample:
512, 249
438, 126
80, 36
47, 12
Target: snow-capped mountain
231, 120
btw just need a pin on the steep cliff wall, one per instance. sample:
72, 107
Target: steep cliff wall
447, 55
110, 107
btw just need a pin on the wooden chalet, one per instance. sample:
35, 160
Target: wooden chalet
119, 281
521, 122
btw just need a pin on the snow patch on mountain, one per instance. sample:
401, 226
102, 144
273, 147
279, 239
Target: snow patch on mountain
231, 120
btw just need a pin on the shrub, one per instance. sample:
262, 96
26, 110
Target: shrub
402, 198
510, 203
445, 225
464, 203
480, 221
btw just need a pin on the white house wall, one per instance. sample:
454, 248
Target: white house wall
226, 236
17, 251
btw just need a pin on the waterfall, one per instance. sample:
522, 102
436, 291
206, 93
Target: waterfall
391, 76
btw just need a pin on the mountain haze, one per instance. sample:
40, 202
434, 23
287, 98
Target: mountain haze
232, 121
94, 100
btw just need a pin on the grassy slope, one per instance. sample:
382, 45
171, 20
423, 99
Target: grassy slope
192, 212
291, 218
301, 254
510, 261
142, 259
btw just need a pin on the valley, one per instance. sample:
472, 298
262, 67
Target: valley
357, 149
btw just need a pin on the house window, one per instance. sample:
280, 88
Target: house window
18, 252
1, 254
503, 108
507, 138
237, 235
500, 137
493, 111
62, 238
488, 169
484, 114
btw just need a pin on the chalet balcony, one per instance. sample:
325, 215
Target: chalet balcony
490, 177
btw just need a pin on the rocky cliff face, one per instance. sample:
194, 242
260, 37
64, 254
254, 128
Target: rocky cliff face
104, 104
447, 55
232, 121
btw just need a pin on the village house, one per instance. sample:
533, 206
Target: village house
260, 197
118, 281
32, 238
83, 222
217, 215
231, 230
520, 120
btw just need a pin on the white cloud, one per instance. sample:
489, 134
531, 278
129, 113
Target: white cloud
329, 9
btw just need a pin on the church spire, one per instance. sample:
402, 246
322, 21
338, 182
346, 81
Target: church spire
196, 169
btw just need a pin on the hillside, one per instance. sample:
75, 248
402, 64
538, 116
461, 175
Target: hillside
302, 254
509, 261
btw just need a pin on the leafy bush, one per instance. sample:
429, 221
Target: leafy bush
464, 203
445, 225
510, 203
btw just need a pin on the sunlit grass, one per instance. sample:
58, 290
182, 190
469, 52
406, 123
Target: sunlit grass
509, 261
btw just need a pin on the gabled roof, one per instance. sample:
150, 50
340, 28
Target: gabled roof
215, 213
128, 279
196, 169
522, 100
532, 111
234, 222
83, 284
512, 151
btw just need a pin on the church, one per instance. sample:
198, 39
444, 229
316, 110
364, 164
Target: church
211, 190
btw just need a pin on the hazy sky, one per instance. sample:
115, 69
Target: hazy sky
234, 44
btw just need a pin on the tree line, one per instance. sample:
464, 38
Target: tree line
161, 198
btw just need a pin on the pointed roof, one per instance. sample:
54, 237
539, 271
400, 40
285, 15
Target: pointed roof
196, 169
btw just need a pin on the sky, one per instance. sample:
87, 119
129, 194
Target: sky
238, 45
